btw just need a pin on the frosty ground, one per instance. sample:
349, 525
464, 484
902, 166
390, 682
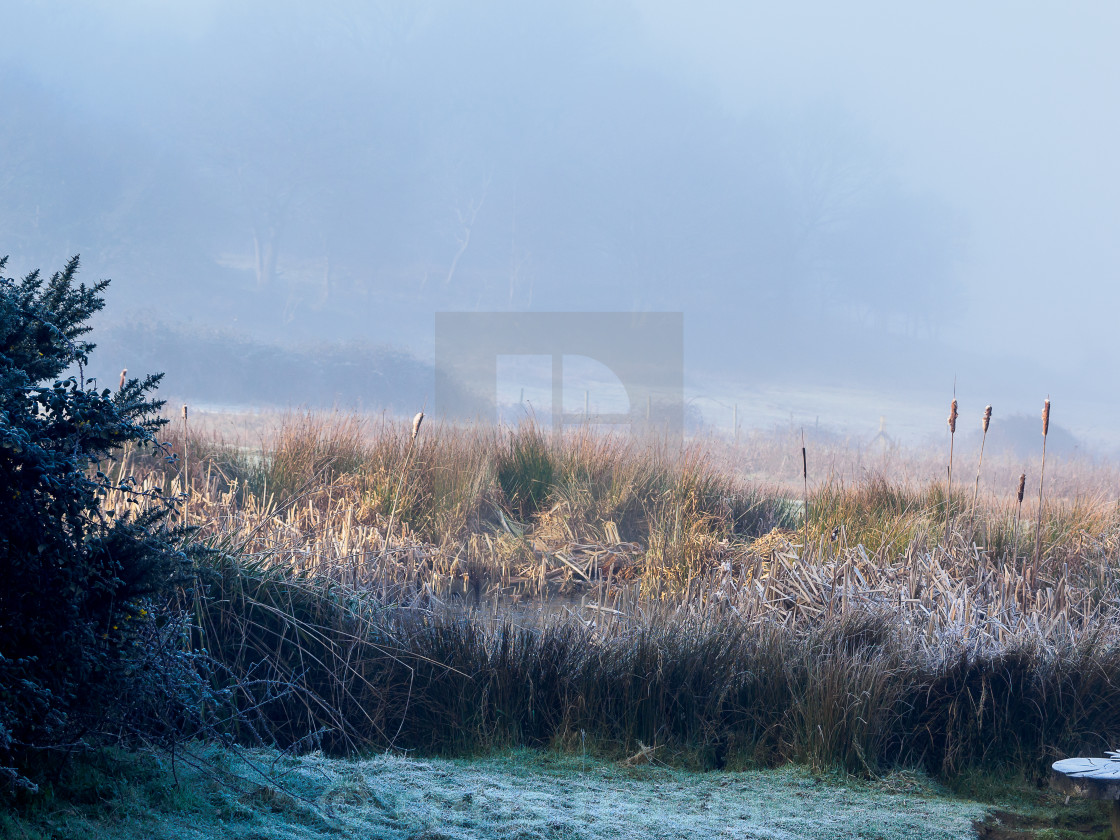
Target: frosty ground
211, 793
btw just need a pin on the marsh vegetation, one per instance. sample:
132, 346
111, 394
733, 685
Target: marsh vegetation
604, 592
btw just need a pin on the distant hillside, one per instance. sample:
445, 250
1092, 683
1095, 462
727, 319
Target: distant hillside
222, 366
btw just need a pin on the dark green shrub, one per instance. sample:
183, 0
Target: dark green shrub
81, 587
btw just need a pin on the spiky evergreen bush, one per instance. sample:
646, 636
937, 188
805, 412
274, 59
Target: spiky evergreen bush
82, 591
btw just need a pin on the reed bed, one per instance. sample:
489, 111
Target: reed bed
514, 517
772, 456
856, 690
459, 589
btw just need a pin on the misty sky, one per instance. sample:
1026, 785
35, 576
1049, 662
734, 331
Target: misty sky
1005, 110
879, 196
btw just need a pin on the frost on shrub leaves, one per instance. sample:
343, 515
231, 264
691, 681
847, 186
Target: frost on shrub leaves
84, 594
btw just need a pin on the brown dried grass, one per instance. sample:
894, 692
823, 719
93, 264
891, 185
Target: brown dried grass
644, 596
622, 523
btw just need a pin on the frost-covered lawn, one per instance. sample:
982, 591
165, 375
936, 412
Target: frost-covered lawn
521, 795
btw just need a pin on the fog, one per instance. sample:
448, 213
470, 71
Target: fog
857, 207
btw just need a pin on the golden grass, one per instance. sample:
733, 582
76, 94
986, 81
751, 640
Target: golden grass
615, 525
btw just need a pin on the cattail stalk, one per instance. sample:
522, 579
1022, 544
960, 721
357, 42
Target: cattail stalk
805, 478
1018, 517
1041, 479
953, 414
416, 421
983, 425
186, 463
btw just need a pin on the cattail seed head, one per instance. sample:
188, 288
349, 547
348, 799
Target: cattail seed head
1046, 418
416, 421
987, 418
1022, 486
124, 373
953, 413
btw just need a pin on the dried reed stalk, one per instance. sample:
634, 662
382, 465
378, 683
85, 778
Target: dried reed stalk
186, 464
805, 479
984, 439
416, 421
1018, 517
953, 414
1041, 479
